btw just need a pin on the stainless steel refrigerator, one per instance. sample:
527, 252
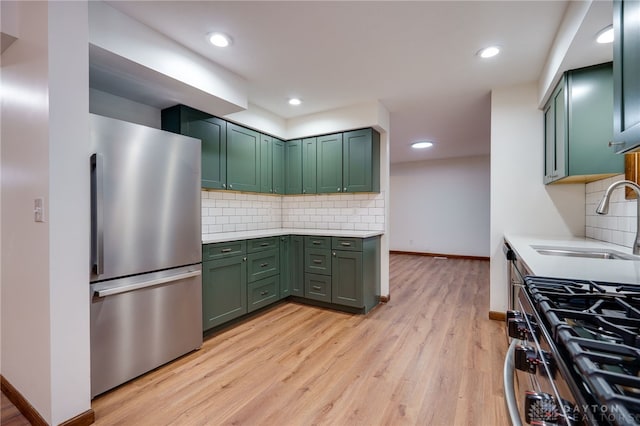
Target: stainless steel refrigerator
146, 284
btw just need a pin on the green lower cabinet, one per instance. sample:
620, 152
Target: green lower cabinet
346, 278
224, 290
285, 275
317, 287
263, 264
263, 292
296, 265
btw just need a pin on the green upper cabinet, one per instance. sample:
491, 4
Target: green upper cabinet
309, 167
211, 131
329, 163
243, 159
293, 166
626, 72
277, 164
361, 161
579, 126
266, 164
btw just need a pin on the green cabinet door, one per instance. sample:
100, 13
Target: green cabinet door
293, 166
590, 124
211, 131
361, 161
277, 164
346, 278
309, 166
329, 163
296, 265
243, 159
285, 265
626, 72
556, 144
266, 164
224, 290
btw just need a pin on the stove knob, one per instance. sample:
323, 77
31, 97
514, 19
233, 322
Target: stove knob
540, 407
526, 359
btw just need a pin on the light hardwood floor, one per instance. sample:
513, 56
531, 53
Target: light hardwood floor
430, 356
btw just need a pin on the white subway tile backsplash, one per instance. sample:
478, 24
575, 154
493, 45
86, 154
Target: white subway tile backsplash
619, 225
225, 211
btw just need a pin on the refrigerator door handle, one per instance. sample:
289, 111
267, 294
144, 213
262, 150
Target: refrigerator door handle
97, 219
145, 284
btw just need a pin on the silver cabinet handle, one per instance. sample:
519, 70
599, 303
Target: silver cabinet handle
264, 265
316, 242
304, 191
334, 254
224, 185
230, 186
225, 250
264, 244
345, 244
317, 287
244, 259
97, 213
316, 261
264, 293
344, 189
145, 284
338, 189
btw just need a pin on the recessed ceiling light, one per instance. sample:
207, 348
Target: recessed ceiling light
219, 39
294, 101
422, 145
605, 35
488, 52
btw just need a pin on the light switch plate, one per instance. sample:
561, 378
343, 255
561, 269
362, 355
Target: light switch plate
38, 209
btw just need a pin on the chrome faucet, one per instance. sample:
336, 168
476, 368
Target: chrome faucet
603, 207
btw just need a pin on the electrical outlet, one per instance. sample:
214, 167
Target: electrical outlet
38, 209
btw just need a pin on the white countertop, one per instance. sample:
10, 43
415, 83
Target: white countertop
246, 235
616, 271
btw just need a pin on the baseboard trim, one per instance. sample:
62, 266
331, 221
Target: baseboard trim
82, 419
31, 414
21, 403
498, 316
448, 256
385, 299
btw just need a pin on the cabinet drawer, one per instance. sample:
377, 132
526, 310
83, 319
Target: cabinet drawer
317, 287
346, 243
317, 242
220, 250
261, 244
263, 264
317, 261
263, 292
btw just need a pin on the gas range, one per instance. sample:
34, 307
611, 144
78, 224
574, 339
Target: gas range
579, 344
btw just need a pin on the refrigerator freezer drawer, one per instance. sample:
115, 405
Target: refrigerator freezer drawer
140, 329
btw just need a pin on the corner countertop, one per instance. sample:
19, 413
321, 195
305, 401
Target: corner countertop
608, 270
246, 235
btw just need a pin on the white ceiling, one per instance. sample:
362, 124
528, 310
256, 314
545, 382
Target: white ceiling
417, 58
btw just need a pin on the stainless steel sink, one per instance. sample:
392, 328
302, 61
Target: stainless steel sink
589, 253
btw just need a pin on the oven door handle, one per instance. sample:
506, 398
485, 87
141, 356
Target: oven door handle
509, 392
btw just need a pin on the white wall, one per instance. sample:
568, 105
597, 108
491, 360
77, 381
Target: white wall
520, 202
441, 206
45, 300
120, 108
